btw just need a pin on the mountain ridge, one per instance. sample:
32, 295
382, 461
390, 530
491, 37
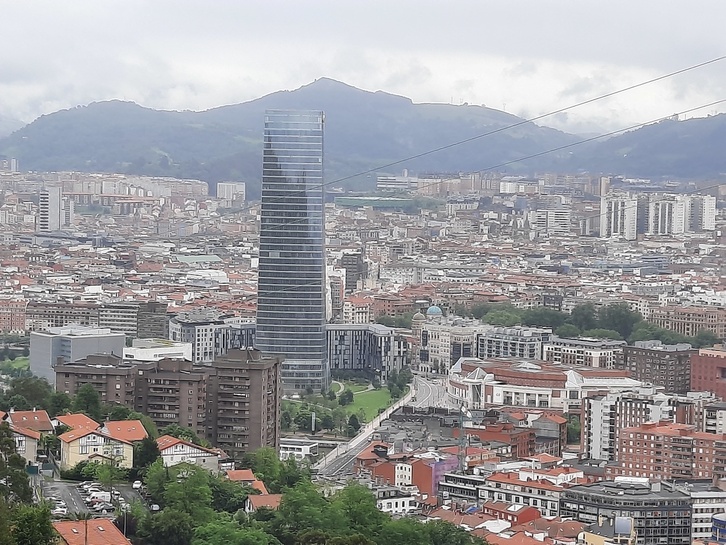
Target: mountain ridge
364, 129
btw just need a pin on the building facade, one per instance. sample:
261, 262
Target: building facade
666, 365
583, 351
372, 348
291, 303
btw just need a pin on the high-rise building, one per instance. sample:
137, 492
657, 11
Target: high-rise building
49, 209
618, 216
291, 303
231, 193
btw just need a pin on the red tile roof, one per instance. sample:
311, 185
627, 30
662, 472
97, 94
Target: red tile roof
271, 501
37, 420
125, 430
241, 475
27, 432
100, 532
77, 420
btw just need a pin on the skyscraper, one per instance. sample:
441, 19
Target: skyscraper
49, 209
291, 313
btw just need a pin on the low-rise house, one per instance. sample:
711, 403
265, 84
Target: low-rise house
177, 451
99, 531
26, 443
36, 420
255, 502
91, 445
245, 476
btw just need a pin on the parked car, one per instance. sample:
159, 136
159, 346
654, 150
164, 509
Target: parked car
137, 485
59, 511
103, 508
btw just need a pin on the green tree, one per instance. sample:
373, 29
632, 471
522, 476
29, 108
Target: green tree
228, 496
442, 532
327, 422
19, 403
600, 333
60, 403
291, 473
584, 316
339, 417
354, 423
705, 338
358, 505
266, 465
175, 430
568, 331
169, 527
146, 452
116, 411
150, 427
88, 401
36, 390
286, 420
346, 398
31, 525
618, 317
228, 532
502, 317
303, 509
388, 321
188, 490
573, 430
543, 317
405, 531
14, 485
156, 479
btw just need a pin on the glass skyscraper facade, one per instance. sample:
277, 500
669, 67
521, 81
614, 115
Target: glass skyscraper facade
291, 310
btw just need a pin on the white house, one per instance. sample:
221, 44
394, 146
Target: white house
177, 451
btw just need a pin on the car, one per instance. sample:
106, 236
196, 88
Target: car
137, 485
154, 507
59, 512
103, 508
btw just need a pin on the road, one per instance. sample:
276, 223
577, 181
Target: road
431, 392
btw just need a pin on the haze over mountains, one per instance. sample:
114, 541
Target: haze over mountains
364, 130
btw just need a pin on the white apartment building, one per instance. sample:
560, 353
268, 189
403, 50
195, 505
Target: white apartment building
514, 342
557, 222
618, 216
583, 351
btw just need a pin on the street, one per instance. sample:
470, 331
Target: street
430, 392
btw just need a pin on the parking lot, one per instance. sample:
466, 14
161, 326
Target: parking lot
69, 493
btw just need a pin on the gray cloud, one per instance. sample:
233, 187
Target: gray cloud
193, 54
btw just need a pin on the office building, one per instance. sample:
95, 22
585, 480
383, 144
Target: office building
201, 327
689, 320
666, 365
245, 407
70, 343
157, 349
555, 222
291, 302
660, 514
356, 268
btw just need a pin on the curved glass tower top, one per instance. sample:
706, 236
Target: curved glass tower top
291, 286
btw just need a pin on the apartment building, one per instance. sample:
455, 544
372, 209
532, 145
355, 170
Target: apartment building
665, 365
12, 315
372, 348
708, 371
234, 402
668, 451
200, 328
583, 352
42, 315
660, 514
245, 407
514, 342
605, 415
689, 321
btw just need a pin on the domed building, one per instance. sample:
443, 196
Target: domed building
434, 313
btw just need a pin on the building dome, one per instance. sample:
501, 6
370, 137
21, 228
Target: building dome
434, 311
418, 317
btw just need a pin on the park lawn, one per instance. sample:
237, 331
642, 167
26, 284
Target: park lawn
355, 388
18, 363
370, 402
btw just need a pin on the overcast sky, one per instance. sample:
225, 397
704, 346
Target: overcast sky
525, 56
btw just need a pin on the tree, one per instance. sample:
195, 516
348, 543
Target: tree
88, 401
31, 525
175, 430
339, 417
354, 423
705, 338
346, 398
567, 331
14, 485
19, 403
543, 317
36, 390
584, 316
169, 527
227, 532
620, 318
188, 490
600, 333
327, 422
331, 395
403, 531
359, 507
573, 430
291, 473
156, 478
442, 532
145, 452
502, 317
286, 420
150, 427
60, 403
266, 465
116, 411
303, 509
228, 496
